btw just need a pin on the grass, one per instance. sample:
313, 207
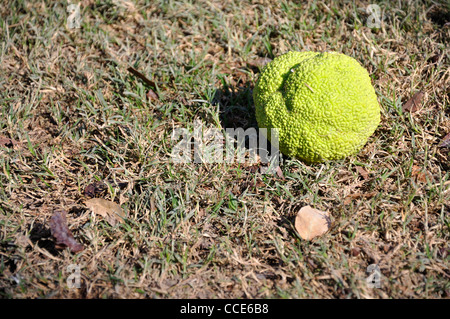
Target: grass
78, 116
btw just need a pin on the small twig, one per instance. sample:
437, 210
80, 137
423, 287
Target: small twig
141, 76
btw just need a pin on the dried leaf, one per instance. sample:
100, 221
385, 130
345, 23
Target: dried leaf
445, 141
434, 58
5, 141
355, 251
279, 172
151, 95
311, 222
62, 234
109, 210
413, 104
350, 197
95, 189
418, 174
253, 169
259, 62
362, 172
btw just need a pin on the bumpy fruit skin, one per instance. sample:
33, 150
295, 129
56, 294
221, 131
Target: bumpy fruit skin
323, 104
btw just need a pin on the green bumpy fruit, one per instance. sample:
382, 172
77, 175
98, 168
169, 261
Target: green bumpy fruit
323, 104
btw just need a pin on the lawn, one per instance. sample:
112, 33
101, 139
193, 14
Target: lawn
89, 111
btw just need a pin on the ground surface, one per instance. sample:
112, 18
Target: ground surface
76, 123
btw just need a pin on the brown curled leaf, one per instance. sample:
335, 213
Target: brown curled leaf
280, 173
418, 174
62, 234
95, 189
152, 96
259, 62
362, 172
413, 104
5, 141
109, 210
445, 141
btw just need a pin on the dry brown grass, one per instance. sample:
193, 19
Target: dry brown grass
76, 116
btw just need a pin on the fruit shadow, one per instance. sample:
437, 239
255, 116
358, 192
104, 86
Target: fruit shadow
236, 106
41, 235
237, 110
